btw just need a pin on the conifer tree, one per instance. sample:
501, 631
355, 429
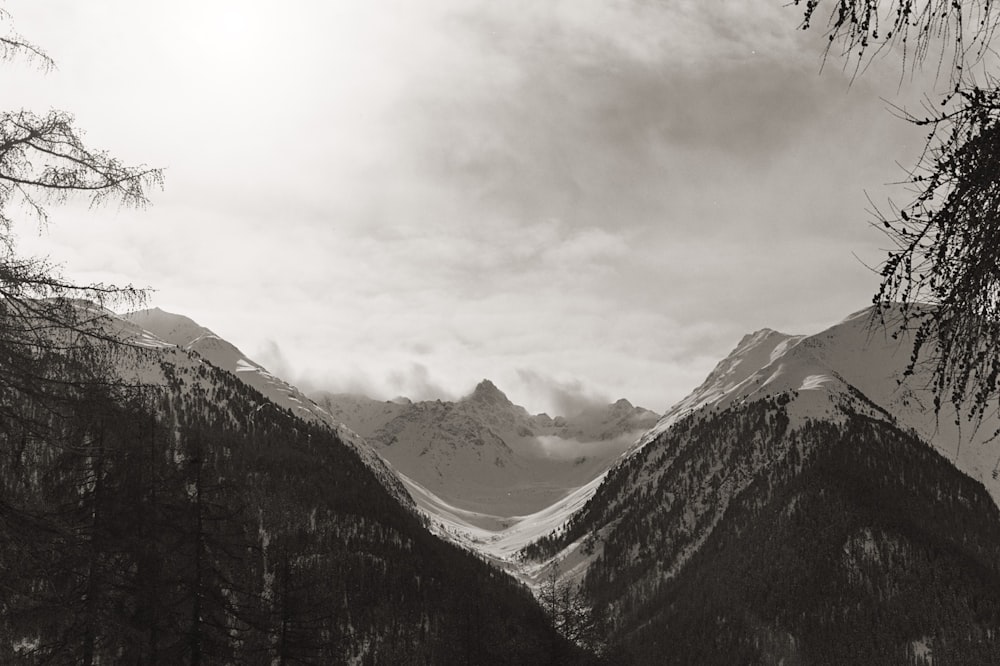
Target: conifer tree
44, 160
59, 452
942, 265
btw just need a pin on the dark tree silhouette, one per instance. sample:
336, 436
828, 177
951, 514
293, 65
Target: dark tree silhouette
44, 159
63, 467
43, 328
954, 34
570, 613
942, 265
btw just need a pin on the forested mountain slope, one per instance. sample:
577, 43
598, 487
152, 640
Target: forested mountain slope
780, 515
194, 521
160, 329
875, 550
735, 537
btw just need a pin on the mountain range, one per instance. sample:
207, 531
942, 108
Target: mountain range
159, 508
484, 455
802, 505
805, 504
697, 537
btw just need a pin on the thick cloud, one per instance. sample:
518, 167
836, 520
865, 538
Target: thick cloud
575, 198
568, 398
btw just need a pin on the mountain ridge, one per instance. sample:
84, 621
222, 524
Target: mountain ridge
170, 512
157, 327
783, 422
460, 450
860, 353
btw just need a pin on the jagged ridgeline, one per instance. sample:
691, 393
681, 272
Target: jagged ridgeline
194, 521
749, 535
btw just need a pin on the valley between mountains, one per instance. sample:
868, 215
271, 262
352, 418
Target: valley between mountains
485, 472
804, 504
496, 478
812, 448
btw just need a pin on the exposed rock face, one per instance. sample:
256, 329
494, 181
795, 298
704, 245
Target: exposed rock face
485, 454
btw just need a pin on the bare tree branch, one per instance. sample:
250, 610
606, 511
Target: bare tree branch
12, 46
944, 263
54, 338
957, 33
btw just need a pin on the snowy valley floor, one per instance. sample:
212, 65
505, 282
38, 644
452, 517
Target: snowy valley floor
500, 538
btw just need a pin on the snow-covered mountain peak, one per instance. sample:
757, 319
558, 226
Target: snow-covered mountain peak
622, 404
173, 328
862, 360
755, 347
754, 352
755, 338
487, 392
148, 326
754, 364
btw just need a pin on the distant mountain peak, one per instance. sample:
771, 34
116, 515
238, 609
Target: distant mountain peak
171, 327
759, 337
486, 391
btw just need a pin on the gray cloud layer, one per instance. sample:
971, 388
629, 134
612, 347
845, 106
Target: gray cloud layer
575, 199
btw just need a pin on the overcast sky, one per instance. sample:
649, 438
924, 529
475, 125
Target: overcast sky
579, 199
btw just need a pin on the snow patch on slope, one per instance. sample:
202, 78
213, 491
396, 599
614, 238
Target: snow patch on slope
500, 538
814, 382
185, 335
857, 355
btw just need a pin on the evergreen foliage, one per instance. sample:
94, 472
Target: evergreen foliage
848, 541
876, 547
209, 526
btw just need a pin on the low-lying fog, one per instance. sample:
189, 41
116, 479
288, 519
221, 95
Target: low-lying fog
558, 448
